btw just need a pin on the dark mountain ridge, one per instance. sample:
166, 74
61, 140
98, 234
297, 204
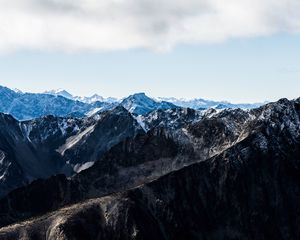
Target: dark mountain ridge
248, 190
52, 145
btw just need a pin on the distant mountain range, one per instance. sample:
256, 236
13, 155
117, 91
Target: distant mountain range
196, 103
25, 106
92, 99
199, 103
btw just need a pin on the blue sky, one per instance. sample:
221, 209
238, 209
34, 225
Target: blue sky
240, 51
244, 70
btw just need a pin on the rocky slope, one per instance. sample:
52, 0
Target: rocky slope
51, 145
108, 129
171, 119
22, 159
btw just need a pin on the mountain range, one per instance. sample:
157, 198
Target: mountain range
196, 103
143, 168
26, 106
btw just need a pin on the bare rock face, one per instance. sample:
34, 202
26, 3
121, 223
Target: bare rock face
157, 186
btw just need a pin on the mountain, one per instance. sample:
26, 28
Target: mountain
248, 189
60, 92
96, 98
140, 104
231, 174
25, 106
135, 160
206, 177
60, 103
171, 119
147, 169
90, 100
51, 145
108, 129
199, 103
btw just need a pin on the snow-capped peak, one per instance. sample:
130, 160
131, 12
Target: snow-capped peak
140, 104
92, 99
16, 90
60, 92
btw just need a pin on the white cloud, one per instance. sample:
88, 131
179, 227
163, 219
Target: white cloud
76, 25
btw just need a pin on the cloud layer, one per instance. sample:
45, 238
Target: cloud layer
79, 25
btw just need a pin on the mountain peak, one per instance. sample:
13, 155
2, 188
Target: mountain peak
139, 96
60, 92
16, 90
140, 103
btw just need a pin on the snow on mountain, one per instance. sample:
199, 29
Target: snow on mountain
17, 90
51, 145
196, 103
24, 106
60, 92
96, 98
141, 104
199, 103
230, 166
59, 102
171, 118
92, 99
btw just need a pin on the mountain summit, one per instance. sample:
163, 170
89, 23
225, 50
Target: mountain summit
60, 92
141, 104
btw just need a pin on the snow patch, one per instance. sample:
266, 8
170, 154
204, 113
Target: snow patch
71, 141
4, 167
2, 156
80, 167
140, 121
63, 127
94, 111
26, 129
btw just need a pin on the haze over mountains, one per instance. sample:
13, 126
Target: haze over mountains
143, 168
